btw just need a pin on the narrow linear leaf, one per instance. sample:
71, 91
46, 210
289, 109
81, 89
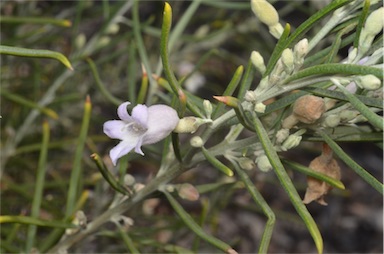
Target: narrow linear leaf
287, 183
75, 178
39, 186
308, 171
34, 221
258, 198
104, 91
108, 176
35, 20
336, 68
188, 220
230, 88
352, 164
216, 163
246, 82
21, 100
39, 53
368, 101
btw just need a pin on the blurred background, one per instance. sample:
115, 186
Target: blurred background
219, 37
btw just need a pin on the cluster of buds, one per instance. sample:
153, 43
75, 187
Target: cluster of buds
289, 63
267, 14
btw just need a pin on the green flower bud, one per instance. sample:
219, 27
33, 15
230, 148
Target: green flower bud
332, 121
291, 142
369, 82
190, 124
375, 21
348, 115
188, 192
196, 141
112, 29
299, 52
260, 107
263, 163
250, 96
352, 55
265, 12
282, 135
373, 25
287, 60
80, 41
276, 30
208, 108
258, 61
246, 163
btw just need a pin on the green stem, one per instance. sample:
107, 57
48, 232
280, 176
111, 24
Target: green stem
74, 183
258, 198
287, 183
38, 194
352, 164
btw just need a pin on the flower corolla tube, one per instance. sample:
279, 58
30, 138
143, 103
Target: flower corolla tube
146, 125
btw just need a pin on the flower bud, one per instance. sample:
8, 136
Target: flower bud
196, 141
246, 163
352, 55
228, 100
301, 49
276, 30
373, 25
293, 140
375, 21
369, 82
188, 191
309, 108
208, 108
348, 115
287, 60
79, 220
282, 135
112, 29
250, 96
80, 41
263, 163
260, 107
265, 12
190, 124
129, 180
258, 61
331, 121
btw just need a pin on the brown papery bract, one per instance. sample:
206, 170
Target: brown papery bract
326, 164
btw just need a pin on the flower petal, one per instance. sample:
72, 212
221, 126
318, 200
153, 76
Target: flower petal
140, 115
115, 129
162, 120
120, 150
123, 113
138, 146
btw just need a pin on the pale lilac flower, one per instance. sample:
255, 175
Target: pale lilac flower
147, 125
